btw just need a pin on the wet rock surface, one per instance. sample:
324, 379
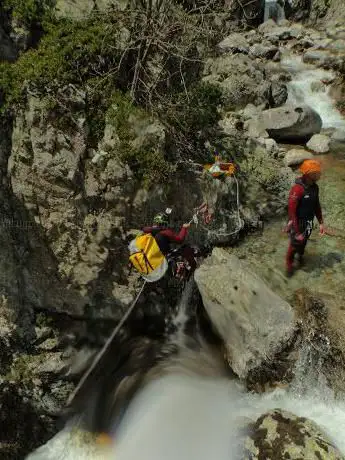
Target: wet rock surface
295, 157
290, 123
319, 143
280, 434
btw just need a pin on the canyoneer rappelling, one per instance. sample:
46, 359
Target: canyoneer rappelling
303, 207
151, 253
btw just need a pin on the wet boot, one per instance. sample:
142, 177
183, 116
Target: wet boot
300, 255
300, 258
289, 260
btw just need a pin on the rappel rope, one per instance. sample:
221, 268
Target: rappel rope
240, 221
203, 209
105, 347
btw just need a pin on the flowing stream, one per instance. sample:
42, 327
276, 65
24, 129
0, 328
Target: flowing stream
309, 86
191, 414
184, 416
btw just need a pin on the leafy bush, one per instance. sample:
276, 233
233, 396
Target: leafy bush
29, 12
70, 52
341, 106
196, 110
145, 52
147, 161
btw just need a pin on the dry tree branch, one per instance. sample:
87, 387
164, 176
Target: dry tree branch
248, 18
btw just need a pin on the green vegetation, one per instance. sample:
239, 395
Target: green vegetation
341, 106
29, 12
69, 53
146, 160
196, 110
110, 57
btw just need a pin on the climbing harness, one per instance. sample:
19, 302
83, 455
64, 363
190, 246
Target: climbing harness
105, 348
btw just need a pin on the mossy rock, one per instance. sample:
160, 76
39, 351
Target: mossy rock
279, 434
141, 140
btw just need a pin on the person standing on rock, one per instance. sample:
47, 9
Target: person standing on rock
303, 207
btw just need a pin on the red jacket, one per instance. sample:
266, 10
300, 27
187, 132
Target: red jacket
297, 192
166, 235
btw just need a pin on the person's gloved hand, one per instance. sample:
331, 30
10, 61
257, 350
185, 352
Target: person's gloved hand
300, 237
287, 227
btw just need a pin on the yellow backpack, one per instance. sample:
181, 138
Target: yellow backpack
146, 257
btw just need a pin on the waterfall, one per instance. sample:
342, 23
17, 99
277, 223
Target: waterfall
192, 410
309, 86
274, 9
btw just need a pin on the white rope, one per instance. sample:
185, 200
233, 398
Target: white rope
240, 221
105, 347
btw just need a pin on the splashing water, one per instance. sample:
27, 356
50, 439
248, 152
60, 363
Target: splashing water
186, 415
181, 317
273, 10
306, 88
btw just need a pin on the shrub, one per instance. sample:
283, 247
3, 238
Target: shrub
147, 161
30, 12
70, 52
147, 52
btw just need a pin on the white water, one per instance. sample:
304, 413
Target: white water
273, 11
183, 417
301, 90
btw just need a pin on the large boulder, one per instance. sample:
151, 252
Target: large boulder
338, 136
278, 94
319, 143
291, 123
261, 51
288, 436
252, 320
274, 32
295, 157
241, 80
236, 43
328, 55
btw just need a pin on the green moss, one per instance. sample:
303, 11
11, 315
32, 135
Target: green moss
22, 368
147, 161
43, 320
196, 110
70, 52
99, 92
341, 106
29, 12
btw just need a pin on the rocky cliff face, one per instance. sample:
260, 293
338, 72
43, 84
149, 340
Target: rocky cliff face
70, 203
328, 12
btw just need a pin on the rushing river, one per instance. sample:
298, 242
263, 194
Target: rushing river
184, 417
